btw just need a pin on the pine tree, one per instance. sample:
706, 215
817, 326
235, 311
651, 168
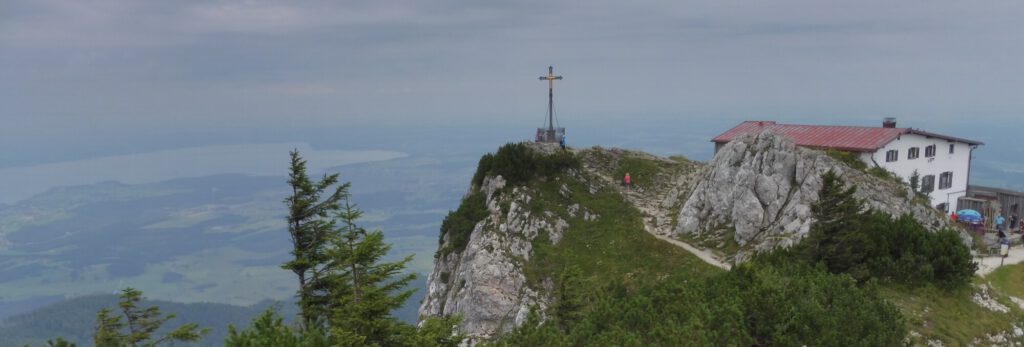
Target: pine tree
364, 289
268, 329
568, 308
311, 230
915, 182
59, 342
835, 236
141, 325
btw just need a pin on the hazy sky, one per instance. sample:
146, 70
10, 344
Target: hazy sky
109, 68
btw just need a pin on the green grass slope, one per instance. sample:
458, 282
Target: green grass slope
614, 248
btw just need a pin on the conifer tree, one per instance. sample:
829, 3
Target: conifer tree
269, 329
141, 325
570, 302
59, 342
915, 182
365, 289
311, 229
835, 237
346, 293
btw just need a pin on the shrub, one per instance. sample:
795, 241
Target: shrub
870, 244
787, 304
642, 171
518, 164
849, 158
459, 224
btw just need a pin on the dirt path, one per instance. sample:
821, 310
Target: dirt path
656, 207
988, 264
704, 255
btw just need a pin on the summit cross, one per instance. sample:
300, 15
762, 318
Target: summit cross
551, 96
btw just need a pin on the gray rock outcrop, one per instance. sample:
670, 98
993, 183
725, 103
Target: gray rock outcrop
485, 283
760, 187
757, 192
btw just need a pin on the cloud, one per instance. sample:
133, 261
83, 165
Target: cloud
300, 89
189, 63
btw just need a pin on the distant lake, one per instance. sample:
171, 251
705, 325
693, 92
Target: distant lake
18, 183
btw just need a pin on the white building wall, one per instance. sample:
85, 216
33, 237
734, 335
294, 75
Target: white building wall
943, 161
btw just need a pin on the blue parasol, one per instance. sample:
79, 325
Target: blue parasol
969, 215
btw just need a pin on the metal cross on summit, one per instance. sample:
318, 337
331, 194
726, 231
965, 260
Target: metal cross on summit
551, 133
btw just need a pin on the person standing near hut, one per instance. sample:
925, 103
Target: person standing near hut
1013, 222
1000, 221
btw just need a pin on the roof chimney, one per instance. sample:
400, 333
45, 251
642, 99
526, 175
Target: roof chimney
889, 122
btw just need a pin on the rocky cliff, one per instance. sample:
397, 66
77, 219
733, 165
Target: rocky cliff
484, 280
754, 195
758, 190
532, 231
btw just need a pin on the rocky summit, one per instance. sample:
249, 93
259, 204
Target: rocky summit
753, 196
758, 191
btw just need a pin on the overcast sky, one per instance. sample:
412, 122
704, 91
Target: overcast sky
79, 67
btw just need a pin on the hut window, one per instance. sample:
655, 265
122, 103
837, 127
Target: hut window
946, 180
927, 183
891, 155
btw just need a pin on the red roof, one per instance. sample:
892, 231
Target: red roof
848, 138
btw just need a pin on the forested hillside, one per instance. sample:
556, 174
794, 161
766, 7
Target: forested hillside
75, 319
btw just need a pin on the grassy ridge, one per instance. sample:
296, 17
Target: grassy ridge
612, 249
1008, 279
951, 316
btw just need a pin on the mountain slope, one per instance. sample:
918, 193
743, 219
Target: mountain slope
526, 225
756, 194
535, 230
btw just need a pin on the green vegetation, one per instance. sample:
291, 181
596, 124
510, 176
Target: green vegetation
949, 315
1009, 279
268, 329
641, 171
680, 159
851, 159
346, 292
827, 291
458, 224
868, 244
600, 248
364, 289
882, 173
75, 319
141, 325
723, 241
311, 229
519, 164
752, 305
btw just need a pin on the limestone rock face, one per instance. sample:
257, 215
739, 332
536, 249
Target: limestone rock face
757, 191
485, 282
762, 186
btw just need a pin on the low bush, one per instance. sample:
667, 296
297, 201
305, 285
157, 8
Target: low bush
517, 163
459, 224
752, 305
867, 244
849, 158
